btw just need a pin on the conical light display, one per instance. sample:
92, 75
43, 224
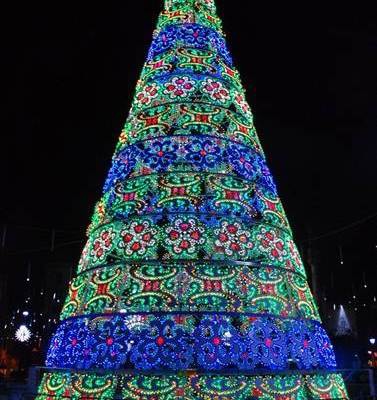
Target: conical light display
190, 285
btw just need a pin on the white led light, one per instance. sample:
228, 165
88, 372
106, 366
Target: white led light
23, 333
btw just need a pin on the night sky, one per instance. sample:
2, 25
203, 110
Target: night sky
310, 78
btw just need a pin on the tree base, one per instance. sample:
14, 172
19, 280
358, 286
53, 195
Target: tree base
190, 385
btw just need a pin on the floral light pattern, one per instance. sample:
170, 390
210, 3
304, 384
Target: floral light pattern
179, 87
102, 244
216, 90
272, 245
185, 235
232, 239
138, 239
146, 95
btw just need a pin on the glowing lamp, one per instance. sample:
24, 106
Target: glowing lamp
23, 333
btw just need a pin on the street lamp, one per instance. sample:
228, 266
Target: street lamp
373, 353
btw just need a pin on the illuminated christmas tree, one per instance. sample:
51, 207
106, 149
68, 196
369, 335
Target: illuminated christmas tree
190, 285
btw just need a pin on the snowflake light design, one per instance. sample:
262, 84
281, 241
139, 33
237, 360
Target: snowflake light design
23, 334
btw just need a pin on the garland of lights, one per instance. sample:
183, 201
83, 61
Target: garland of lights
172, 341
190, 285
192, 386
183, 236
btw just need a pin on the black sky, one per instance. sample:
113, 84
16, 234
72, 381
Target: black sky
70, 75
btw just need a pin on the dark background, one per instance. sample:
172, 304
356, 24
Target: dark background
310, 76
